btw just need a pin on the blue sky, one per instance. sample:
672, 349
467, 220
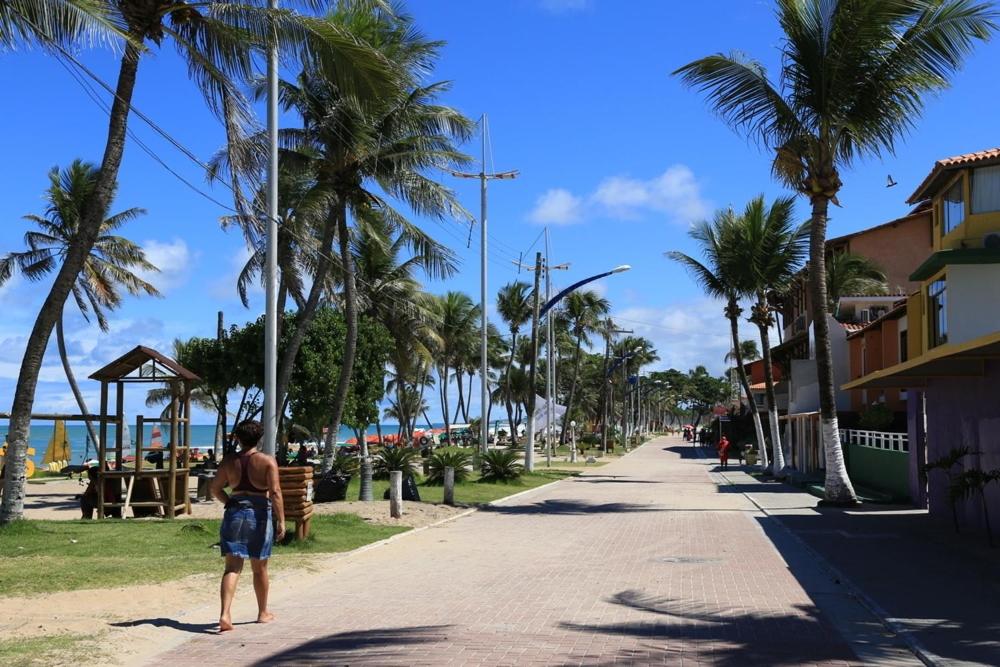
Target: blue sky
615, 157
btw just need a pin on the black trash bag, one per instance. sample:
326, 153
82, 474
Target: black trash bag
330, 488
410, 490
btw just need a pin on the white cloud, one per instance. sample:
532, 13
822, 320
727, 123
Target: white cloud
223, 287
173, 260
557, 207
685, 334
675, 192
563, 6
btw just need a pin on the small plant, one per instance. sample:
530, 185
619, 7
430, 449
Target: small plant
344, 465
971, 484
501, 465
456, 458
945, 464
876, 417
395, 458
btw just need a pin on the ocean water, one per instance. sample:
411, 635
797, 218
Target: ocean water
202, 435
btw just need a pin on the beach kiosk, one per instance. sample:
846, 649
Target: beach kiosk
149, 490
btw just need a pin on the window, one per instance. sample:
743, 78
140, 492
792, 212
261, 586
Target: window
937, 312
904, 352
986, 189
953, 207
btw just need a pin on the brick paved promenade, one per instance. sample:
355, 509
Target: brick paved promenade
643, 561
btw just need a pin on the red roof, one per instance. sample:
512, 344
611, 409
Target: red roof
852, 327
925, 190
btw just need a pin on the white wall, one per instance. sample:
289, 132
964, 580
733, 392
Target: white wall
973, 301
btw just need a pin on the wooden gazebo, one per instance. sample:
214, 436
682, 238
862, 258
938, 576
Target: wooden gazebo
161, 491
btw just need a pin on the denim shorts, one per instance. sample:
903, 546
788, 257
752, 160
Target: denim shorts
246, 529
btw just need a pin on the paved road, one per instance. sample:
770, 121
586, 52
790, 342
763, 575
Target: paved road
647, 560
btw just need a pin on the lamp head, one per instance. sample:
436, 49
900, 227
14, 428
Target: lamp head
621, 269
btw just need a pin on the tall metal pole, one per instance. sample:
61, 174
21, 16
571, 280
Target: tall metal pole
271, 260
529, 444
549, 358
483, 426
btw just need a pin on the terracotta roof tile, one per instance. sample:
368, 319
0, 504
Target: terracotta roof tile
851, 326
947, 164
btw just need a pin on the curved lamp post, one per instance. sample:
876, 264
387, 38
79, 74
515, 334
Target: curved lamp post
529, 445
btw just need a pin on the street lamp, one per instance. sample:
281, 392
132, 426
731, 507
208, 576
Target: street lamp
572, 433
529, 445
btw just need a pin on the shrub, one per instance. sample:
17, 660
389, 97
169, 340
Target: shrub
344, 465
876, 417
395, 458
501, 465
450, 458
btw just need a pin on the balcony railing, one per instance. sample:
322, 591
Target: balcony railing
891, 442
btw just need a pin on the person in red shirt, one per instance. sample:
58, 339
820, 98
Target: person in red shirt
724, 452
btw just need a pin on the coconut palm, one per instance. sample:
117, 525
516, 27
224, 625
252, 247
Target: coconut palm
109, 267
221, 44
848, 273
582, 312
853, 80
457, 321
514, 307
768, 250
722, 276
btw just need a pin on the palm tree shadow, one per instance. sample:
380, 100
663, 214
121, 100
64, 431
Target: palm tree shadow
193, 628
561, 507
370, 646
722, 636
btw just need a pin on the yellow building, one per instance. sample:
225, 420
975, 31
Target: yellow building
952, 371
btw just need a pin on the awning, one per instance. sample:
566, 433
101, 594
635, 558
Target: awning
966, 359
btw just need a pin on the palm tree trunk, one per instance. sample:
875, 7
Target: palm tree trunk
351, 341
778, 461
461, 394
12, 507
507, 398
61, 341
758, 429
605, 386
572, 391
838, 487
466, 406
308, 311
444, 403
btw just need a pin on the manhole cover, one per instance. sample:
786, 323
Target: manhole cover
687, 560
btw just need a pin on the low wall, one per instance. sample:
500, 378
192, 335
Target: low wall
880, 469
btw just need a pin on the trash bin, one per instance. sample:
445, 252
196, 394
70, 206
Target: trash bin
205, 480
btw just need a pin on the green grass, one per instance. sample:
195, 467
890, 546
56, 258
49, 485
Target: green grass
43, 651
471, 492
44, 556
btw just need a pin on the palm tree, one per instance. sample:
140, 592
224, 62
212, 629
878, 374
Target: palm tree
854, 76
748, 352
220, 43
108, 268
514, 307
848, 273
769, 248
721, 275
582, 312
457, 320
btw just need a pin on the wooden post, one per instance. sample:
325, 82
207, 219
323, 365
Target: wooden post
449, 486
174, 431
139, 425
102, 448
187, 444
396, 494
119, 425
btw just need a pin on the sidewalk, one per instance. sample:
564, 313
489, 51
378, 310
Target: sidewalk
940, 589
644, 561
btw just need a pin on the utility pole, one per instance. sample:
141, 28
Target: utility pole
550, 357
484, 319
222, 438
271, 258
529, 445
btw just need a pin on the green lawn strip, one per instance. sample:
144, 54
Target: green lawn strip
472, 492
47, 556
47, 650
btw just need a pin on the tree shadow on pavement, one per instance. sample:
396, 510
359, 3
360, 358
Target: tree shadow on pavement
193, 628
943, 588
682, 630
378, 645
686, 452
620, 480
558, 506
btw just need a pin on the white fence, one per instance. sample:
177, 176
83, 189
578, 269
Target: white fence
892, 442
